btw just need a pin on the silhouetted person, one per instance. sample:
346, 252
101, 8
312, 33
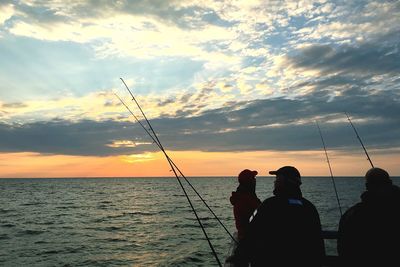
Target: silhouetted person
369, 232
244, 200
285, 230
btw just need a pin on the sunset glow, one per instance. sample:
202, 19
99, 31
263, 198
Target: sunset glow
191, 163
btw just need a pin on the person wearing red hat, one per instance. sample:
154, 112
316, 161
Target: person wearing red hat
244, 200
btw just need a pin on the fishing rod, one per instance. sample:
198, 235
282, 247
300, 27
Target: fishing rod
359, 139
157, 141
330, 169
176, 167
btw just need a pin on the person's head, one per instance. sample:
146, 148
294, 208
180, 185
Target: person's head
247, 177
375, 178
288, 178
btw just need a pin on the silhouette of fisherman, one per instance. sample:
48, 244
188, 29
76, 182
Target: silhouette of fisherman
369, 231
285, 230
244, 200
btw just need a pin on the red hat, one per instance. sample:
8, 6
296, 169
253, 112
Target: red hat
246, 176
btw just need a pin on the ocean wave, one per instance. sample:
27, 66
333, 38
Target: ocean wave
47, 252
186, 260
8, 225
4, 237
114, 239
41, 242
111, 228
30, 232
141, 213
46, 223
3, 211
33, 204
67, 207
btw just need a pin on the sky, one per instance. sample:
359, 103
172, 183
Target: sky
227, 85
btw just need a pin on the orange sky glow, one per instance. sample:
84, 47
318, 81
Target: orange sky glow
191, 163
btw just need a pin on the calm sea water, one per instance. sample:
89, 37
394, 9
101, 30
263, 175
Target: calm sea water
134, 222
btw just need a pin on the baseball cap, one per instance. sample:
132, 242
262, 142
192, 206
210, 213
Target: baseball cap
289, 173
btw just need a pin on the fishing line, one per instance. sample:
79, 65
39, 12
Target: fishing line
330, 169
157, 141
359, 139
176, 167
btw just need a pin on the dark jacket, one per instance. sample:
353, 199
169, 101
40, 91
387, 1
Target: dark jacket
369, 232
244, 203
285, 231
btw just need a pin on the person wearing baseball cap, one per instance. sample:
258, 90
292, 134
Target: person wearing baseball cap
244, 200
369, 231
285, 230
287, 182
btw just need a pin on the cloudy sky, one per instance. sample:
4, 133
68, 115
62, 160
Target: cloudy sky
227, 85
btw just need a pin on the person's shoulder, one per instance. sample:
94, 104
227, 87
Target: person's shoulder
308, 203
269, 200
234, 198
395, 190
265, 210
396, 186
353, 210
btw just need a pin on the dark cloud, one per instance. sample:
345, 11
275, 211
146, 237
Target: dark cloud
166, 102
375, 57
185, 98
203, 95
41, 14
14, 105
6, 2
168, 11
270, 124
64, 137
110, 103
252, 127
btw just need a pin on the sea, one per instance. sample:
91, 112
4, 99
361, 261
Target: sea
137, 221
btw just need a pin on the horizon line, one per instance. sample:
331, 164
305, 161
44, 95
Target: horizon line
171, 177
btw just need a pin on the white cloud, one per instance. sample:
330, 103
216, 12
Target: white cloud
135, 158
96, 106
346, 25
6, 12
244, 32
